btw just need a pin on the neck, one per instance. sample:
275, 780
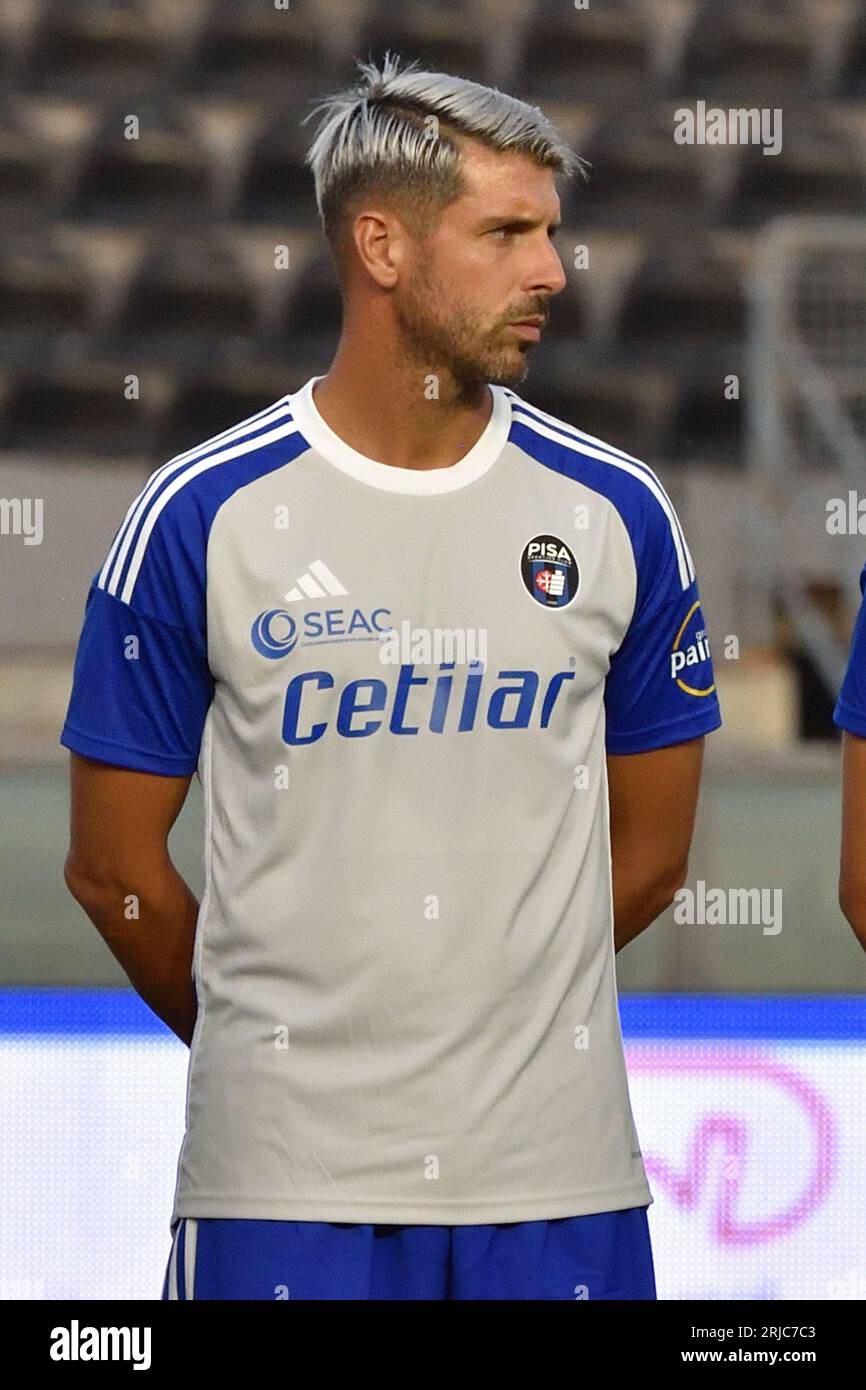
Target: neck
386, 410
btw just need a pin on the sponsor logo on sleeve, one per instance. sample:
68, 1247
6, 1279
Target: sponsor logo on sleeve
691, 666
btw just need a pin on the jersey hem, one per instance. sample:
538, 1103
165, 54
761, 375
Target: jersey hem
849, 720
104, 752
664, 735
469, 1213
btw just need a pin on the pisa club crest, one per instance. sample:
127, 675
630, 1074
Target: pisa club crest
549, 571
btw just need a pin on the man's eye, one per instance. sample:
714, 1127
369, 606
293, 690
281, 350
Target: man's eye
506, 231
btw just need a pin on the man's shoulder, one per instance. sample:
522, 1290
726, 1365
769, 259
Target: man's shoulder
568, 449
195, 483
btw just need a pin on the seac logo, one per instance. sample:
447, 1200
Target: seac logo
691, 649
549, 571
274, 633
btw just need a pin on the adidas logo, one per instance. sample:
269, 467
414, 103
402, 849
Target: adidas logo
315, 583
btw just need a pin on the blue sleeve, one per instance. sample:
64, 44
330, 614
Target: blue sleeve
850, 711
142, 685
660, 688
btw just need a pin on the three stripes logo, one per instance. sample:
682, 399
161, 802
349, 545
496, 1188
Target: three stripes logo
316, 582
275, 632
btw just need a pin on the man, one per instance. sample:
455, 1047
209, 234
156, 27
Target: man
399, 621
850, 716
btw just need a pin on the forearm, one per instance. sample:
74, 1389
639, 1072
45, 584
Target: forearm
147, 919
853, 904
852, 874
637, 902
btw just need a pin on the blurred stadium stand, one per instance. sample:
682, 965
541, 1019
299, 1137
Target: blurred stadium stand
163, 276
142, 310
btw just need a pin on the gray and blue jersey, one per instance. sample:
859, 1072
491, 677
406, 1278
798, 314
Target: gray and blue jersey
398, 688
850, 711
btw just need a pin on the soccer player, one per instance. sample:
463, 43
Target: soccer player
850, 716
439, 660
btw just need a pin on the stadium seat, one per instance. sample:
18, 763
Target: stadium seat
853, 83
249, 49
621, 406
275, 184
75, 406
163, 176
187, 301
28, 160
704, 425
568, 312
96, 48
820, 169
599, 54
443, 37
44, 294
640, 177
683, 300
206, 402
748, 51
309, 322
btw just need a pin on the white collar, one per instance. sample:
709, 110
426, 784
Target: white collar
386, 476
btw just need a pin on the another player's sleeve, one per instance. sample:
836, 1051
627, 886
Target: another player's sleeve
142, 685
660, 688
850, 711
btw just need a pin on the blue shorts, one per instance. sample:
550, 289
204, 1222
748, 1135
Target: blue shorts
603, 1255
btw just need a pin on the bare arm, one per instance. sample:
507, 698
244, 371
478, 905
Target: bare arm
653, 800
118, 868
852, 871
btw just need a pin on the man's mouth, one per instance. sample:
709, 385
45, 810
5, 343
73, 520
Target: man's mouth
529, 328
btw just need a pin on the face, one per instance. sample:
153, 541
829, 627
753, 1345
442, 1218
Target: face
489, 263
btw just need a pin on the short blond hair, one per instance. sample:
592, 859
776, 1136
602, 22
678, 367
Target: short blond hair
376, 135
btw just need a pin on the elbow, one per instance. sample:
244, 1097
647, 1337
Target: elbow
670, 883
844, 900
852, 902
74, 877
83, 880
